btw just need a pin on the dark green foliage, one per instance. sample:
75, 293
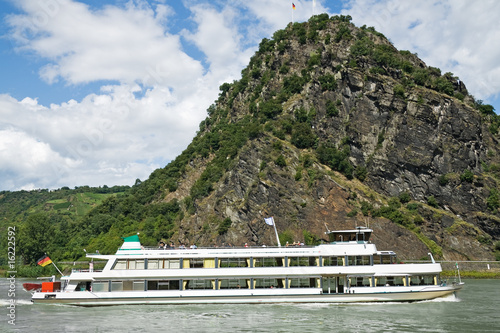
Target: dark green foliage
327, 82
284, 69
420, 77
360, 173
318, 22
343, 32
307, 161
270, 109
399, 91
266, 46
366, 208
310, 239
336, 159
36, 238
412, 206
394, 203
493, 202
352, 213
314, 60
300, 31
303, 136
467, 176
431, 201
441, 84
395, 215
485, 109
294, 84
443, 180
362, 47
280, 161
331, 109
224, 226
404, 197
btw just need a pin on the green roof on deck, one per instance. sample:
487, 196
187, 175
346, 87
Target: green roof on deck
133, 238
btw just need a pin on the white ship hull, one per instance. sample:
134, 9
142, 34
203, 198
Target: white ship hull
401, 294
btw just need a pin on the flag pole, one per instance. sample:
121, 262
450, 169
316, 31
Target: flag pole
277, 238
57, 268
276, 232
270, 221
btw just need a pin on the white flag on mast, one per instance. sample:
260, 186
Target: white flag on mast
269, 220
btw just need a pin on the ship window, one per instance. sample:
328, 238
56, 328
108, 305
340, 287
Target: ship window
302, 261
153, 264
233, 284
268, 262
380, 281
136, 264
421, 280
127, 285
358, 260
138, 285
302, 283
233, 262
268, 283
100, 286
171, 263
162, 285
168, 285
389, 259
360, 281
394, 281
196, 263
116, 285
198, 284
331, 261
120, 264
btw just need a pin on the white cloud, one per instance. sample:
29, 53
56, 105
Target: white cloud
127, 44
458, 36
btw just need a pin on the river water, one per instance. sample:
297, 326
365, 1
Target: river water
475, 309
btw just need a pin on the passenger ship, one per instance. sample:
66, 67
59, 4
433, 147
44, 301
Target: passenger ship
348, 269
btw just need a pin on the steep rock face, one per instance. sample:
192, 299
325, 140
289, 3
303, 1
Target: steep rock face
339, 88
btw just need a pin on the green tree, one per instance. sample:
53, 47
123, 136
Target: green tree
280, 161
35, 237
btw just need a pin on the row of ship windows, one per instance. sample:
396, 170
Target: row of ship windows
252, 262
257, 283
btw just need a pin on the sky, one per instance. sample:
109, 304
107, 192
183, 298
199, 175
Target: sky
104, 92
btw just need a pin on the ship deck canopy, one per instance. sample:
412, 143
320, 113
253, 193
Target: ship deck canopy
360, 234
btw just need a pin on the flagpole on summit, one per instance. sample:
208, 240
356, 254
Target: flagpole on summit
270, 221
293, 8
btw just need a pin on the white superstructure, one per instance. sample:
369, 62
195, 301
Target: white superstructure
349, 269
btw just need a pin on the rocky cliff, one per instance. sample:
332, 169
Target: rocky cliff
331, 127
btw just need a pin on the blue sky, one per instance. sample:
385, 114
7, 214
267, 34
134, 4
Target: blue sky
104, 92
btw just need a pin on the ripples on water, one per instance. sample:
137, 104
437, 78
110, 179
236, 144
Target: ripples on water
475, 310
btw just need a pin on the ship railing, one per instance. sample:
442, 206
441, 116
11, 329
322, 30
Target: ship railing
79, 270
223, 247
